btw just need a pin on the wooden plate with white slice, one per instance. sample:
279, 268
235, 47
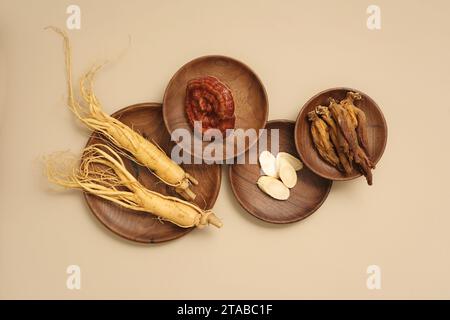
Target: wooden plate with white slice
305, 197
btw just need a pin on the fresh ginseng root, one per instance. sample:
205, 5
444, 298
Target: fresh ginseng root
321, 138
102, 173
89, 111
358, 119
344, 122
338, 140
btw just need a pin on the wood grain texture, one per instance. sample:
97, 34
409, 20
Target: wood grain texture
376, 132
305, 198
249, 94
146, 118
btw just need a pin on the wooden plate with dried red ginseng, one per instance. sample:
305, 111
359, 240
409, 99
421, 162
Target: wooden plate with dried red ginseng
376, 133
146, 118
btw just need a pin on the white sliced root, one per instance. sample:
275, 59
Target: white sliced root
287, 173
293, 161
273, 187
268, 164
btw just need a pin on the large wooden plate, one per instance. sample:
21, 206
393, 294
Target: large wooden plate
376, 132
306, 197
146, 118
249, 94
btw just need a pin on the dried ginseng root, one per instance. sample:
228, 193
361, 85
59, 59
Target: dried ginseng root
321, 138
358, 119
344, 122
102, 173
338, 140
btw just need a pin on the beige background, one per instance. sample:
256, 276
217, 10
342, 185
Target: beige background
297, 48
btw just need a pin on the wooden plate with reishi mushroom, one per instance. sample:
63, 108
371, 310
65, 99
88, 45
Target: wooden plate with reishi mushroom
220, 92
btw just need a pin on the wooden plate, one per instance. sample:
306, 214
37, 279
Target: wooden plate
377, 133
249, 94
306, 197
146, 118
